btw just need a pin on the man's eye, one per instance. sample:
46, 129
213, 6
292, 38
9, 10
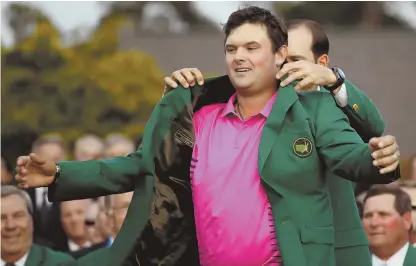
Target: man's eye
251, 48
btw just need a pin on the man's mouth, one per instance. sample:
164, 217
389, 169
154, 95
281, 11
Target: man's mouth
242, 70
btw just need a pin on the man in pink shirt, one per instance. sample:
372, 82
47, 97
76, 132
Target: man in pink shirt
246, 192
225, 156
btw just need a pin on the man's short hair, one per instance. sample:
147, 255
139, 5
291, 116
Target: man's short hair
89, 140
7, 164
8, 190
116, 139
49, 139
276, 29
320, 42
402, 201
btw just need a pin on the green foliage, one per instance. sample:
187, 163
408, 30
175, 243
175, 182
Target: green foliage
91, 87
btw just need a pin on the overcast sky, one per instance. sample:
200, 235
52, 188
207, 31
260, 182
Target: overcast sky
68, 15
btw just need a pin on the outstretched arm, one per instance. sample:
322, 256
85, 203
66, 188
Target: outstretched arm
95, 178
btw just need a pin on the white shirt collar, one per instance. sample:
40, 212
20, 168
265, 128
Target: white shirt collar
20, 262
75, 247
396, 260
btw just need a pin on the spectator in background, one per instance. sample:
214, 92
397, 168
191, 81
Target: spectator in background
387, 220
413, 167
118, 211
88, 147
47, 224
409, 186
117, 205
17, 247
95, 235
73, 217
98, 229
6, 172
118, 145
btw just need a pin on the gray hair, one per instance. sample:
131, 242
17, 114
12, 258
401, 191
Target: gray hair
50, 139
115, 139
8, 190
89, 140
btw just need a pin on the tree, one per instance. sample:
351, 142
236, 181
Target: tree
22, 19
90, 87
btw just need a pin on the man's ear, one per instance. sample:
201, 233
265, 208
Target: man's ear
323, 60
407, 219
280, 55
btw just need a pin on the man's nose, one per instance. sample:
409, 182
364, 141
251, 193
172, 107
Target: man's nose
240, 55
10, 223
375, 221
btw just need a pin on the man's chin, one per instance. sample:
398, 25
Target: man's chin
241, 84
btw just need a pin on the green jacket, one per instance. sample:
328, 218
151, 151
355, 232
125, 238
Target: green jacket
305, 136
410, 259
43, 256
351, 243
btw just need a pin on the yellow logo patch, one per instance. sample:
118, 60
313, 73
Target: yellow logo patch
302, 147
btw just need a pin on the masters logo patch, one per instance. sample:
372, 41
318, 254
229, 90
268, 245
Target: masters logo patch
302, 147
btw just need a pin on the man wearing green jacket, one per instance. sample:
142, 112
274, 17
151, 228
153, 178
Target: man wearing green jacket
297, 138
17, 247
308, 49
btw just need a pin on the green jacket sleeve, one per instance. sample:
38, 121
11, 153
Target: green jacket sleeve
95, 178
342, 149
362, 113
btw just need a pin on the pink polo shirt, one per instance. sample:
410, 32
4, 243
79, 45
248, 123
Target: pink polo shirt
233, 217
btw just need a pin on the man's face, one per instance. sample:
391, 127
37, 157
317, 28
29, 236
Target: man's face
383, 225
52, 151
95, 235
88, 152
300, 45
121, 205
412, 193
16, 227
73, 216
413, 169
115, 150
251, 62
6, 176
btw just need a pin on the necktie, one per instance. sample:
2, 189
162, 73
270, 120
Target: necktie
44, 210
10, 264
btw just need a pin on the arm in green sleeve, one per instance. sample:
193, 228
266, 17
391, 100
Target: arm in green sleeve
95, 178
342, 149
362, 113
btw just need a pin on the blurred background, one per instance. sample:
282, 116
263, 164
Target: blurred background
80, 79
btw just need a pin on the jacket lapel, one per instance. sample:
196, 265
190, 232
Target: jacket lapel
286, 97
220, 89
35, 256
410, 259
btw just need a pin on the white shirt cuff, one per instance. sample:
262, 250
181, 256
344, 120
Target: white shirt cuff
342, 96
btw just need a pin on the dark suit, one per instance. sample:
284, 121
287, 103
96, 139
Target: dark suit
50, 233
82, 252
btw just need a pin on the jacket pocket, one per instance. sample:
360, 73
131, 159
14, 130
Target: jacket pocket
317, 234
350, 238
